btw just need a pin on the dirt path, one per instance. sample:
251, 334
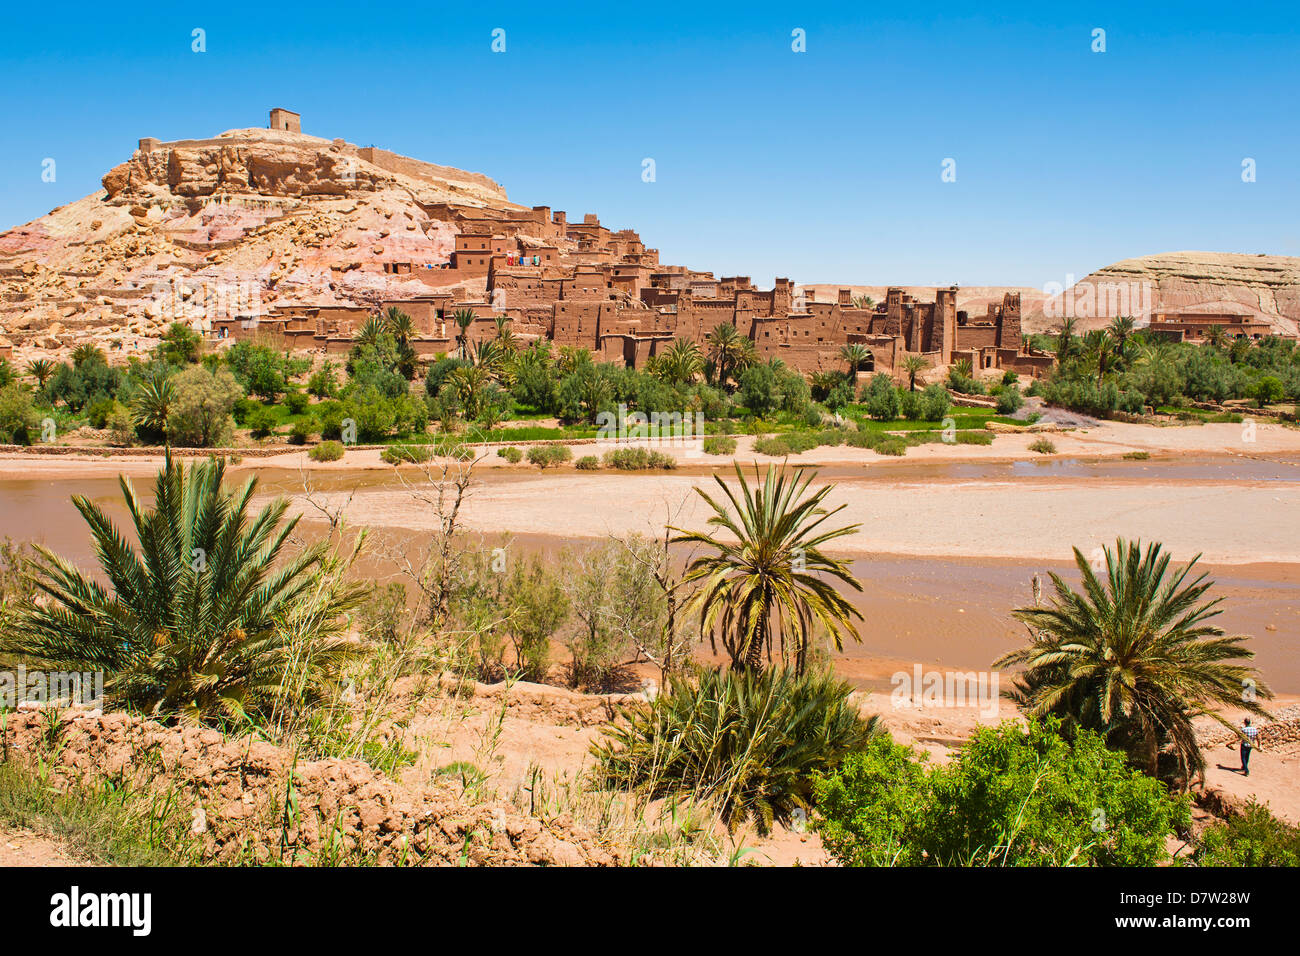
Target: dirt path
22, 847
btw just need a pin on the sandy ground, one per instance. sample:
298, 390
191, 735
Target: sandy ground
1030, 513
962, 502
21, 847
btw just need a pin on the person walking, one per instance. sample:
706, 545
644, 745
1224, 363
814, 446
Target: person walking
1248, 734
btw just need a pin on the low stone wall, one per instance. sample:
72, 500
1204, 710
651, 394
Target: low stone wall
236, 787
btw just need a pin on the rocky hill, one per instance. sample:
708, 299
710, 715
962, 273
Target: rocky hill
286, 216
281, 218
1266, 287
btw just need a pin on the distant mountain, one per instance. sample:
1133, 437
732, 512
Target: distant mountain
1266, 287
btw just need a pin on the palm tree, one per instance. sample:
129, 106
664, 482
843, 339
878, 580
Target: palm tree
201, 622
680, 362
863, 302
821, 383
726, 350
152, 404
772, 579
41, 370
1133, 657
468, 382
399, 325
505, 335
1097, 345
856, 355
1120, 328
912, 366
1063, 340
86, 352
370, 332
1216, 336
464, 318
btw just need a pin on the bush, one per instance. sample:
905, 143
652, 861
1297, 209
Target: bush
511, 454
296, 402
774, 445
719, 445
587, 463
326, 451
863, 439
261, 422
1010, 400
200, 416
545, 456
753, 742
406, 454
895, 447
1043, 446
638, 459
910, 405
880, 398
1011, 797
1252, 838
19, 422
301, 433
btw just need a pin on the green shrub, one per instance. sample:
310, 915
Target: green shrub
1043, 446
326, 451
1011, 797
301, 432
545, 456
19, 422
880, 398
935, 403
1137, 455
1253, 837
296, 402
774, 445
638, 459
511, 454
719, 445
752, 742
1010, 401
863, 439
406, 454
895, 447
261, 422
587, 463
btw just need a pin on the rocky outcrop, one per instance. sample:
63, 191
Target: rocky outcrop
1267, 287
271, 217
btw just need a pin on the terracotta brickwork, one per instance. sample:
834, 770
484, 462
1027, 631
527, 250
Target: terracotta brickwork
581, 284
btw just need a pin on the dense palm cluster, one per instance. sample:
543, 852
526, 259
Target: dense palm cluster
1124, 368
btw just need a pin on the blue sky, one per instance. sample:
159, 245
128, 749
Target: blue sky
821, 166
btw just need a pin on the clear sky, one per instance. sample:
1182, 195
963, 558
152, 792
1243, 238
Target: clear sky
823, 165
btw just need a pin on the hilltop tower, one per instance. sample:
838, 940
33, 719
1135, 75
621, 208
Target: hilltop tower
286, 119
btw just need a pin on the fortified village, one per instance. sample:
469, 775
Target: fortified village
581, 284
296, 240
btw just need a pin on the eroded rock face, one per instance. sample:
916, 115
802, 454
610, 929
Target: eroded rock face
269, 169
1267, 287
279, 217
